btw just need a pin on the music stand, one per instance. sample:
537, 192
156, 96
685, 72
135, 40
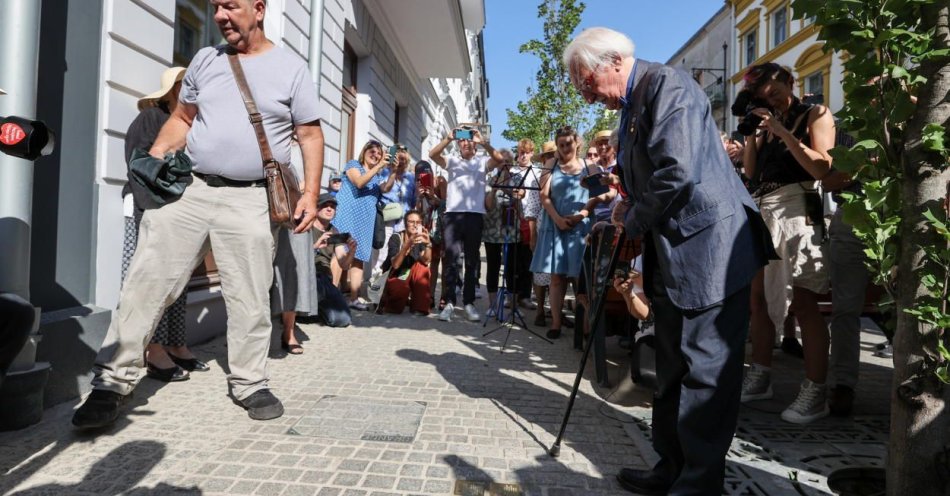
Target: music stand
498, 311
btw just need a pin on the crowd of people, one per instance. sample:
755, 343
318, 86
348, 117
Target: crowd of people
733, 243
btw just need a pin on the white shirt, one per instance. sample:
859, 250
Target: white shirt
466, 189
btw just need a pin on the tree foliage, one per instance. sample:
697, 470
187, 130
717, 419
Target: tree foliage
552, 102
896, 83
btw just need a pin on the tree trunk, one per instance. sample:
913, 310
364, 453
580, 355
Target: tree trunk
919, 452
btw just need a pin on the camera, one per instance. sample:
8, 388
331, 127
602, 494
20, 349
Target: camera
338, 238
24, 138
743, 107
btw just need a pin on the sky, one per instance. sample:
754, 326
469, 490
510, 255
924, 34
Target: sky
658, 29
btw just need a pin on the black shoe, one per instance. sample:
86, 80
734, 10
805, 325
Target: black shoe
262, 405
791, 346
100, 409
190, 364
553, 333
840, 401
171, 374
642, 482
567, 322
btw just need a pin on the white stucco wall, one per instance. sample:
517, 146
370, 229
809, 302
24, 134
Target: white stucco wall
137, 44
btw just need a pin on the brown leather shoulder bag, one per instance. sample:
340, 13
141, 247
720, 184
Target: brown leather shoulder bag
283, 190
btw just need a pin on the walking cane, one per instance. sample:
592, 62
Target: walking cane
606, 247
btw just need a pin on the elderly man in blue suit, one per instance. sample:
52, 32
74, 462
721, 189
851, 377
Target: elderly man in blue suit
703, 241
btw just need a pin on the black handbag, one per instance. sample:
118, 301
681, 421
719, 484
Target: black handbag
379, 229
156, 182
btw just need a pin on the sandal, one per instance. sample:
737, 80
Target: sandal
293, 349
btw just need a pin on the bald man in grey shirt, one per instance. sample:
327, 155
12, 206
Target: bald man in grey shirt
224, 209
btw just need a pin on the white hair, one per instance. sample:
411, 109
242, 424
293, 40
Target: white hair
593, 47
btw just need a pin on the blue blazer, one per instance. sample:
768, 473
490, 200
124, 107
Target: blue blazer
708, 235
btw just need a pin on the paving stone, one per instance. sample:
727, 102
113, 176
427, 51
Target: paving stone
379, 482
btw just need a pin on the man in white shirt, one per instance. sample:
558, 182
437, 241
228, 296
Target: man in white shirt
464, 215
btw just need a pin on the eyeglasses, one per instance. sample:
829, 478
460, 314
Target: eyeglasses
372, 142
327, 204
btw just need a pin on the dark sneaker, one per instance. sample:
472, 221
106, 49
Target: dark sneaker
100, 409
840, 401
262, 405
791, 346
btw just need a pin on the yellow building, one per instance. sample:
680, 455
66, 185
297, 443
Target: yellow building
765, 32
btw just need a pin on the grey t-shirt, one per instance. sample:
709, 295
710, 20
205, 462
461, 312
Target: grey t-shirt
221, 140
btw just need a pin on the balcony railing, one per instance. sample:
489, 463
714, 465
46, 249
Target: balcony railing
714, 93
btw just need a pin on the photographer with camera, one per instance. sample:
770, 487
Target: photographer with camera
333, 253
464, 213
410, 253
400, 199
361, 190
786, 155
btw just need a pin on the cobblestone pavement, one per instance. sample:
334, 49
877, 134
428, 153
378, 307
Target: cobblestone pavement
486, 417
410, 405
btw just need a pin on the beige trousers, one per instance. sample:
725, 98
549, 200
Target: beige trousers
799, 246
172, 241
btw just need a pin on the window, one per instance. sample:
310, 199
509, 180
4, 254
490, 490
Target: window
348, 105
779, 26
194, 30
815, 84
750, 48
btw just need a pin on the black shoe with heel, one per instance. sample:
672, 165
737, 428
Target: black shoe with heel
190, 364
171, 374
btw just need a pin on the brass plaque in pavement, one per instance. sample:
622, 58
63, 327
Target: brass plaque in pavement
504, 489
470, 488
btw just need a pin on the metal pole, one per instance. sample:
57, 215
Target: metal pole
725, 94
19, 60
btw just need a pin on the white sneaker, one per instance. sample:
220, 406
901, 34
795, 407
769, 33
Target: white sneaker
810, 405
757, 384
471, 313
446, 314
527, 304
478, 292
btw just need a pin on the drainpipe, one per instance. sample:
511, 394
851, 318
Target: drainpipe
315, 56
21, 399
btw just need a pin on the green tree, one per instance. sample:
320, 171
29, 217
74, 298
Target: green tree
897, 89
552, 102
606, 119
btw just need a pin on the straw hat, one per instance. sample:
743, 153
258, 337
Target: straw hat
602, 135
169, 78
548, 147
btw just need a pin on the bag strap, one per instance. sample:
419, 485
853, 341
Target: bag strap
253, 114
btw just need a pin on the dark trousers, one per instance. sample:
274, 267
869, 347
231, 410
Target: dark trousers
496, 262
333, 310
463, 234
699, 357
16, 322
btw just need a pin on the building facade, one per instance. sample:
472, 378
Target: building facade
765, 31
406, 74
706, 56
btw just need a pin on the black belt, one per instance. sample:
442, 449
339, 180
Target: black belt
221, 181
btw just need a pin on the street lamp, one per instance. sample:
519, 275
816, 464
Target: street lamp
720, 80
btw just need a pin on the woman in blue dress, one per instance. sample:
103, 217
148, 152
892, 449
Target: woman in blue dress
356, 210
565, 222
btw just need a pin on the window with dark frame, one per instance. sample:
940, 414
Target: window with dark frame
779, 26
348, 103
750, 48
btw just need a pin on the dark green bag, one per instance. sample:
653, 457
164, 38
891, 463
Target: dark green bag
156, 183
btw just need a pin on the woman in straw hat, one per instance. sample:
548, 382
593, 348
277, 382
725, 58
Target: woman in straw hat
167, 356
